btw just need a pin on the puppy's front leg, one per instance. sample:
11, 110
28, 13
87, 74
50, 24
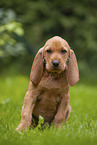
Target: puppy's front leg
63, 109
27, 109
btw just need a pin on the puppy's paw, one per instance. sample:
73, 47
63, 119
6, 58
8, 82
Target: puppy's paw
21, 127
58, 121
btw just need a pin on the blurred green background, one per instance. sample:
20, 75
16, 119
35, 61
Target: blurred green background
26, 25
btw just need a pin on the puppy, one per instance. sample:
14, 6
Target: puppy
50, 79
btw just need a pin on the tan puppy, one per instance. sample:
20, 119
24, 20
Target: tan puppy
48, 90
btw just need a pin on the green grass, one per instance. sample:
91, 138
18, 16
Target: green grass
81, 127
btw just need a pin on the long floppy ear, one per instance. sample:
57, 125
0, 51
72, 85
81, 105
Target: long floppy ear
37, 68
72, 70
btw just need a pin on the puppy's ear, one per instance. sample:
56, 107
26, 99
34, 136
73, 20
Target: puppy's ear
37, 68
72, 70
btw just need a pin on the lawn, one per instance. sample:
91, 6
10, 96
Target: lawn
80, 129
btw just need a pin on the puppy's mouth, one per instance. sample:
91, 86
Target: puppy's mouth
56, 69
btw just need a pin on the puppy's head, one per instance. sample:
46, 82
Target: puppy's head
53, 57
56, 52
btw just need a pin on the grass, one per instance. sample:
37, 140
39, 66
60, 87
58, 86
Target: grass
81, 127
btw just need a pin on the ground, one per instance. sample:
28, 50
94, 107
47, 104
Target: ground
81, 127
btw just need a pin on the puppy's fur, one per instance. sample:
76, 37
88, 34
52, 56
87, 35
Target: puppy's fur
50, 79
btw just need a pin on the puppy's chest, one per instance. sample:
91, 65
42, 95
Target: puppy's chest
53, 82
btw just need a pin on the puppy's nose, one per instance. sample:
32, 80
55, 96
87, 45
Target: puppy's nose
55, 63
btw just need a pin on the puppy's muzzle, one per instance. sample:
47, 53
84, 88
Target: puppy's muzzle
55, 63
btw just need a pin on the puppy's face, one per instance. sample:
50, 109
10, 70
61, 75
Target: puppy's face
56, 52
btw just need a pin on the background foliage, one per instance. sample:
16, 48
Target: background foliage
27, 24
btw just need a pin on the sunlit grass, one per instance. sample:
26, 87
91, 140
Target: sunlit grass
81, 127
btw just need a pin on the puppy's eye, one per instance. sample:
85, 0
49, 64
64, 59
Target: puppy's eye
63, 51
49, 51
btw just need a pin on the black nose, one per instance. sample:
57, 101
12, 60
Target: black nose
55, 63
